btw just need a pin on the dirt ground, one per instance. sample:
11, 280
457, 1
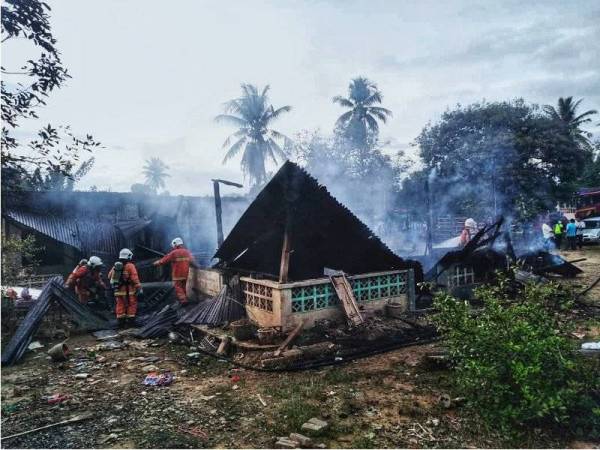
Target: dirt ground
389, 400
590, 267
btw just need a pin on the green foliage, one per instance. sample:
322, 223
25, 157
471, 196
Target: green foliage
358, 126
49, 158
253, 115
504, 156
512, 358
19, 257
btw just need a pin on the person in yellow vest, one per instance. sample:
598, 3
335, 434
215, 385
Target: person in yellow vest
558, 234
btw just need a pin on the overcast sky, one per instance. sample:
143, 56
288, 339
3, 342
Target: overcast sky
149, 76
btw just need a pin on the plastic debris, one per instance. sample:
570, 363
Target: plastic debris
35, 345
56, 398
155, 379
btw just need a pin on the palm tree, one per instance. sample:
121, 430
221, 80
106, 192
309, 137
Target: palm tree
360, 123
253, 114
566, 114
155, 171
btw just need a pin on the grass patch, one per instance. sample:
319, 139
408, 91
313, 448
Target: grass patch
338, 375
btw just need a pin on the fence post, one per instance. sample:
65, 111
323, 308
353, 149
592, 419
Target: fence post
410, 291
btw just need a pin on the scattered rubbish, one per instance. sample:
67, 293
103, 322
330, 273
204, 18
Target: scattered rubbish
64, 422
174, 337
110, 437
103, 335
206, 397
194, 431
35, 345
235, 378
590, 346
53, 291
111, 345
235, 387
82, 375
304, 441
445, 401
150, 368
56, 398
60, 352
261, 400
284, 442
155, 379
578, 335
194, 355
315, 425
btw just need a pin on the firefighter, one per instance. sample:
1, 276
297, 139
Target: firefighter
180, 259
87, 280
468, 232
126, 284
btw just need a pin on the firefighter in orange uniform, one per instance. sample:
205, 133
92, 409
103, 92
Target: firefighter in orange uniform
126, 284
468, 232
180, 259
86, 279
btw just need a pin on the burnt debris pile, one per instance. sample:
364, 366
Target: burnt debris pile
222, 309
54, 290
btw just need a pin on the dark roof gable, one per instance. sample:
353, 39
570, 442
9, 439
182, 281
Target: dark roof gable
323, 232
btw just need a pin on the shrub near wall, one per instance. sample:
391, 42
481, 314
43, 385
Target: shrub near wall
514, 362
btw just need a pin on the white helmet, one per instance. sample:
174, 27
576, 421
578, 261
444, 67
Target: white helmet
94, 261
125, 254
177, 241
470, 223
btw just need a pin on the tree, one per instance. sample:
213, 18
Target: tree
359, 125
498, 158
566, 115
155, 172
55, 149
591, 173
253, 115
57, 179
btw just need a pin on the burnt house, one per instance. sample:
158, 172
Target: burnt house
71, 225
291, 233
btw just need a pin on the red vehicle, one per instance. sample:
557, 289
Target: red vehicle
588, 203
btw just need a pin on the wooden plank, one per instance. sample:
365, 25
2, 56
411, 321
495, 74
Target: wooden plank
290, 337
346, 295
285, 258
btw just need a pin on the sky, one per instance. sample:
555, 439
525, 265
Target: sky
148, 76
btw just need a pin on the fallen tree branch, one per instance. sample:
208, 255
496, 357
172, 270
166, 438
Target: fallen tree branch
64, 422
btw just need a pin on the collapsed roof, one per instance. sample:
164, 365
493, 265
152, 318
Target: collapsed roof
322, 233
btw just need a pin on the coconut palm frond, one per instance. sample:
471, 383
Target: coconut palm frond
372, 123
234, 149
343, 101
231, 120
344, 118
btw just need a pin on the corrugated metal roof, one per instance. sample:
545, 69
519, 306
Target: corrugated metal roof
58, 228
84, 235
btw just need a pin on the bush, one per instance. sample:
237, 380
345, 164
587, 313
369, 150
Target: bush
512, 358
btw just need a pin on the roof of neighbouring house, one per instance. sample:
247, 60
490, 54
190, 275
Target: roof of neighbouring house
323, 233
84, 235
